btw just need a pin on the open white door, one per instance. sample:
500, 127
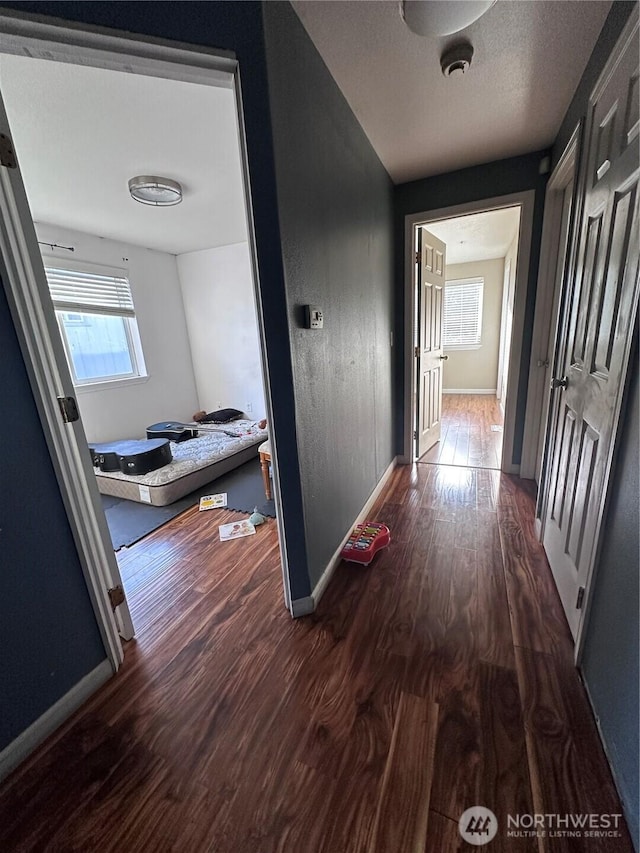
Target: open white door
431, 279
597, 331
33, 315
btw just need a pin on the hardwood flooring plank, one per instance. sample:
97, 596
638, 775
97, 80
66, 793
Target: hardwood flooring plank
545, 590
397, 519
458, 756
338, 706
403, 805
353, 806
566, 776
443, 835
504, 784
537, 622
466, 534
460, 645
495, 639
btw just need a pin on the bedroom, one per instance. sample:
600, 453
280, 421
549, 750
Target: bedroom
192, 342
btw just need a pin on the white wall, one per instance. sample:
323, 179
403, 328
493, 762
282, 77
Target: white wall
124, 409
219, 304
477, 369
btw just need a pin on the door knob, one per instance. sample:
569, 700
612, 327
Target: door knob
559, 383
444, 358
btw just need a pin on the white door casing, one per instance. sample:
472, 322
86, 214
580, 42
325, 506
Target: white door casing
597, 331
526, 202
557, 257
431, 281
28, 295
506, 325
545, 365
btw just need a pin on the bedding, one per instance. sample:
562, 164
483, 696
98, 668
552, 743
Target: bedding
196, 462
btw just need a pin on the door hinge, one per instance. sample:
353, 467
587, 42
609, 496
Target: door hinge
416, 351
415, 435
7, 154
580, 598
543, 362
116, 596
418, 257
68, 409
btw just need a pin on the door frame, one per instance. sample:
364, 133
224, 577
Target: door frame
33, 317
524, 200
548, 311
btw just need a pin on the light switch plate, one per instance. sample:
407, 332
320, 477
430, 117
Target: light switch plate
314, 317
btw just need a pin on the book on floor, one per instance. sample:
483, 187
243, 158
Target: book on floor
213, 501
236, 529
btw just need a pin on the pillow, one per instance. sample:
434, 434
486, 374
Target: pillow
222, 416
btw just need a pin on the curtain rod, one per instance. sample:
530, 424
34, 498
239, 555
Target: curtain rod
55, 246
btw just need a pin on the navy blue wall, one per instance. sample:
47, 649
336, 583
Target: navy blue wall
48, 633
335, 206
502, 177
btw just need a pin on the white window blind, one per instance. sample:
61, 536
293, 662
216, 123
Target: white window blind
462, 324
91, 292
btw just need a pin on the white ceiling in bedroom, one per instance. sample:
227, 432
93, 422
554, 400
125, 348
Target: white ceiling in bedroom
478, 236
80, 133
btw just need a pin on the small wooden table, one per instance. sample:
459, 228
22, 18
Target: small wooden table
265, 460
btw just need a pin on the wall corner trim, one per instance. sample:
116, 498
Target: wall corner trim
304, 606
16, 752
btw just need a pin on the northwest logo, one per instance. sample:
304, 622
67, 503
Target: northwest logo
478, 825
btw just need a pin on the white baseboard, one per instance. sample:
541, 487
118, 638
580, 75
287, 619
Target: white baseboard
469, 391
304, 606
510, 468
45, 725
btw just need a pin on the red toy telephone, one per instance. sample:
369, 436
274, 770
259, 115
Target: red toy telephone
367, 538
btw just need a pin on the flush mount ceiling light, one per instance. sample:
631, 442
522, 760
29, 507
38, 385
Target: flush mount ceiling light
159, 192
442, 17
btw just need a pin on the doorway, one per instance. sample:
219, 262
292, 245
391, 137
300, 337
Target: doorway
35, 318
483, 251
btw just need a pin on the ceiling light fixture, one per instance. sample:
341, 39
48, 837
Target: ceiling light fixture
159, 192
442, 17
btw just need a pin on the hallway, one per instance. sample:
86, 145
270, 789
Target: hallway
438, 678
471, 432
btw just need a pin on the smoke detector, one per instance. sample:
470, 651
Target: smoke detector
456, 60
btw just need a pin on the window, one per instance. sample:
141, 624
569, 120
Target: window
97, 322
462, 324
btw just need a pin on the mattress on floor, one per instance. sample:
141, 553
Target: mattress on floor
195, 462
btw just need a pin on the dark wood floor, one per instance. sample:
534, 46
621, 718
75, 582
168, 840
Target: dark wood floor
438, 678
471, 432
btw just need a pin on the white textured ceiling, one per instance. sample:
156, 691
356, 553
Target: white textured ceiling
478, 236
529, 57
80, 133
